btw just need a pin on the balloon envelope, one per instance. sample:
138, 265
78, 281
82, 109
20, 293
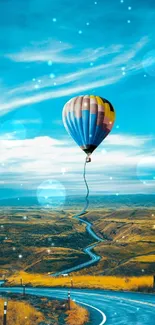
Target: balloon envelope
88, 119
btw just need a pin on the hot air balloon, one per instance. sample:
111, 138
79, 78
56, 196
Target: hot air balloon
88, 119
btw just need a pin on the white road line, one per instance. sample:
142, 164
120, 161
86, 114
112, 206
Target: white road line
113, 297
80, 302
128, 300
100, 311
83, 303
132, 300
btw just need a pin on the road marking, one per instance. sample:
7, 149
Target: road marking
132, 300
117, 298
50, 290
113, 297
83, 303
29, 290
100, 311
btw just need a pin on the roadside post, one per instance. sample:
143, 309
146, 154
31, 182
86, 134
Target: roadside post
69, 300
21, 282
24, 290
5, 313
71, 283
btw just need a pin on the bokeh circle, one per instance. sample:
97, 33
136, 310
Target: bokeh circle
51, 194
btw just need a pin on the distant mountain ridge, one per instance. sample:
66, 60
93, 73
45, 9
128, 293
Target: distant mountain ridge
100, 201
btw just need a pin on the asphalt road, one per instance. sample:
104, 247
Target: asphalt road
105, 307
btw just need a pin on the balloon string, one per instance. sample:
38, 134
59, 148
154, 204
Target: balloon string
83, 211
87, 187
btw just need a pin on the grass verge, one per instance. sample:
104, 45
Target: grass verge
77, 315
139, 283
20, 313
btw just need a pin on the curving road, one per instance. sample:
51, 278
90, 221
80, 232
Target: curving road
121, 308
94, 258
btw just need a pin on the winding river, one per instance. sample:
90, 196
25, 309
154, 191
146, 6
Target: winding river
93, 258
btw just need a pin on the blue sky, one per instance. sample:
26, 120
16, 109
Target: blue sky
51, 51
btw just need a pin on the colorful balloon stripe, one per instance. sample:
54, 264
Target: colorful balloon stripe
88, 119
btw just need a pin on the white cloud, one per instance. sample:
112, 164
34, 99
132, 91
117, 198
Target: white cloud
32, 161
126, 140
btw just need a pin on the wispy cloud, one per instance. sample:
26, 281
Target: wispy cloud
18, 102
27, 121
87, 78
57, 52
99, 70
